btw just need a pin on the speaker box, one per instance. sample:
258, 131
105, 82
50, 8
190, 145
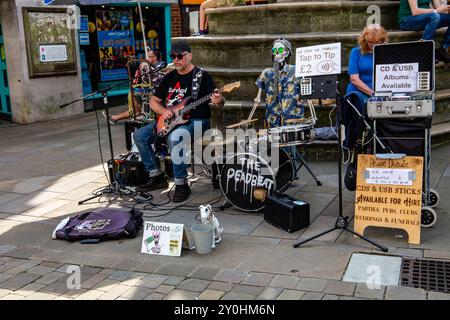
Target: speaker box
127, 172
286, 212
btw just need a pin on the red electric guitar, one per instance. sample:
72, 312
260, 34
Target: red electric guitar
165, 125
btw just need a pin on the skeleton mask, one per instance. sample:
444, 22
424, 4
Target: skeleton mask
281, 51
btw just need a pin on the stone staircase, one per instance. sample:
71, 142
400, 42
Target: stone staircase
240, 40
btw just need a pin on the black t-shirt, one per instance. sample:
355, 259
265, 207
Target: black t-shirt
175, 87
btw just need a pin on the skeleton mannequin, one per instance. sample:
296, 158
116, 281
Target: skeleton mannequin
281, 52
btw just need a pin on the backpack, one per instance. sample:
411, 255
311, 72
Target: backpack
108, 224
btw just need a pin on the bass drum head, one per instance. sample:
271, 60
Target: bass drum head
243, 173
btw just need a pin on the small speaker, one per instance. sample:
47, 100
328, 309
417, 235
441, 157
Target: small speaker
286, 212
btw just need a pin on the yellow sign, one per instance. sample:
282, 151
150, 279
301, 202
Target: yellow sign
389, 194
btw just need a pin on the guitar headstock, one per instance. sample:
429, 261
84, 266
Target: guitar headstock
231, 86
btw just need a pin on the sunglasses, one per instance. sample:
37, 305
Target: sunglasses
279, 50
179, 56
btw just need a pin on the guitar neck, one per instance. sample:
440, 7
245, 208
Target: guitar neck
195, 104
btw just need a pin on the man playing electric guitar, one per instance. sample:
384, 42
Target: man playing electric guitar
185, 81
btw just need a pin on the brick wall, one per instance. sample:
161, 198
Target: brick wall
176, 20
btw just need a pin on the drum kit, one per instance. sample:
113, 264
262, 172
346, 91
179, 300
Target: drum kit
262, 165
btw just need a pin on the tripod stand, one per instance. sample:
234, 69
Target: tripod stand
113, 185
341, 222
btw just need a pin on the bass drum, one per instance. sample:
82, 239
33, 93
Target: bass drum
243, 173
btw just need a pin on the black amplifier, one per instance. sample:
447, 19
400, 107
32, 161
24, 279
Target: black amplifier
127, 171
286, 212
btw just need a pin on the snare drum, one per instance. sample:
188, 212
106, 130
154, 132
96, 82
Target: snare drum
291, 135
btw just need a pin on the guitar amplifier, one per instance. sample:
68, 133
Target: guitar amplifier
286, 212
127, 171
399, 109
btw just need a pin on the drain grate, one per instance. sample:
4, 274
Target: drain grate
433, 275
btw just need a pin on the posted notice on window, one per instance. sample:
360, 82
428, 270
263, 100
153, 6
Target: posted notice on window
53, 53
318, 60
396, 77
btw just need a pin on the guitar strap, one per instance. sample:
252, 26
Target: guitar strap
196, 82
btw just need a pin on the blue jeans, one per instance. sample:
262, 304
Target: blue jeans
428, 22
146, 136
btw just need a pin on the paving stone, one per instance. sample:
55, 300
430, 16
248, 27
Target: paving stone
135, 279
120, 275
4, 277
340, 288
24, 253
181, 295
147, 267
174, 280
250, 290
29, 289
311, 284
175, 269
12, 297
362, 291
196, 285
5, 249
93, 281
90, 295
57, 288
41, 270
55, 265
4, 292
258, 279
270, 294
156, 296
50, 278
437, 254
107, 271
291, 295
41, 296
153, 281
136, 293
237, 296
330, 297
89, 270
106, 285
19, 281
15, 271
438, 296
312, 296
114, 293
211, 295
126, 264
164, 289
220, 286
232, 276
285, 282
351, 298
13, 263
75, 293
405, 293
205, 273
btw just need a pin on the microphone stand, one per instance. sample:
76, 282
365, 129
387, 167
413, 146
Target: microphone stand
341, 222
112, 186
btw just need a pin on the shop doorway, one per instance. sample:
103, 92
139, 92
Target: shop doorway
5, 102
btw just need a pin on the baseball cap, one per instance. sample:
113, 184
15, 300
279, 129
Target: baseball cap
180, 46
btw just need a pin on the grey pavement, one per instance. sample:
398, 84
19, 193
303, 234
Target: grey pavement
48, 167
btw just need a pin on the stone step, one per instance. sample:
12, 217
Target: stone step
319, 150
248, 76
252, 51
237, 110
300, 16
